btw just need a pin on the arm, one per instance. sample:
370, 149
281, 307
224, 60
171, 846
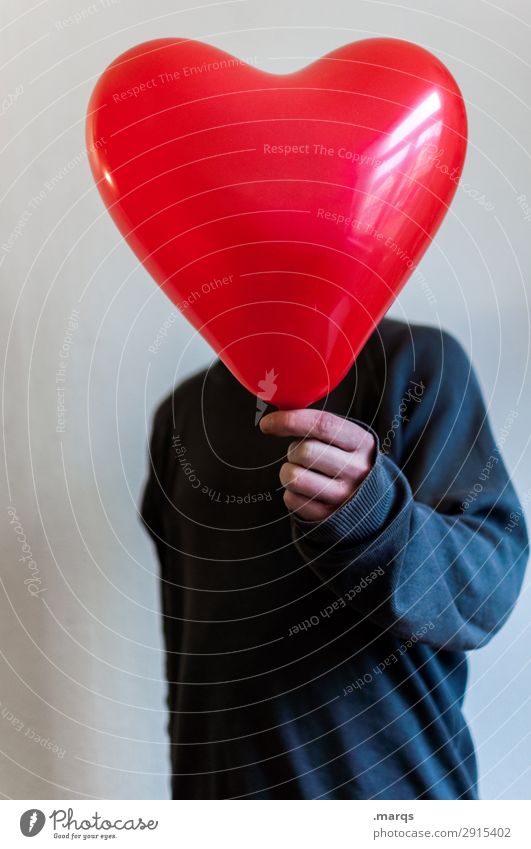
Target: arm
154, 496
433, 519
154, 505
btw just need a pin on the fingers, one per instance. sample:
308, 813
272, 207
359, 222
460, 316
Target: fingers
320, 425
327, 462
310, 511
327, 459
314, 485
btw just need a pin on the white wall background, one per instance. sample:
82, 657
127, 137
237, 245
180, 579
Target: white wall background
81, 664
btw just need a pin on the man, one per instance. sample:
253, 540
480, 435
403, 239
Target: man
324, 573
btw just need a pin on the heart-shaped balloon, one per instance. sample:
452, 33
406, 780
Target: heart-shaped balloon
281, 214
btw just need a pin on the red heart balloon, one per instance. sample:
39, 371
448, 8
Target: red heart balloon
281, 214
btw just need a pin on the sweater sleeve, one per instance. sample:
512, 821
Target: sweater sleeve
154, 497
435, 534
155, 504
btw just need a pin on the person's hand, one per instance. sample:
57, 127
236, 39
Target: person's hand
327, 462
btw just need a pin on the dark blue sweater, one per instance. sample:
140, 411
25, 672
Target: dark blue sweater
328, 660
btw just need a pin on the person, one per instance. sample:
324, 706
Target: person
324, 574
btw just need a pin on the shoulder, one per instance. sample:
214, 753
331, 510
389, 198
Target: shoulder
429, 373
421, 347
169, 418
404, 352
414, 363
183, 396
